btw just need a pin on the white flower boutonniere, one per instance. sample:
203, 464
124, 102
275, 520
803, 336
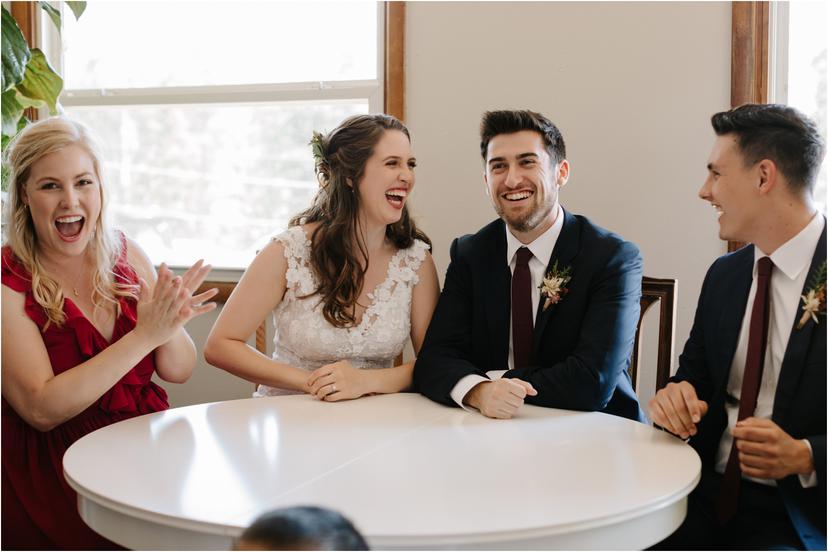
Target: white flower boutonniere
553, 287
814, 300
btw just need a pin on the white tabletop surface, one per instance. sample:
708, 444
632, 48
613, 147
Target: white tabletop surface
408, 472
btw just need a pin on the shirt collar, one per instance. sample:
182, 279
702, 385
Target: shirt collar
795, 255
542, 246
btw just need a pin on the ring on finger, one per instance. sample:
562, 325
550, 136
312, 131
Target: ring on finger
333, 388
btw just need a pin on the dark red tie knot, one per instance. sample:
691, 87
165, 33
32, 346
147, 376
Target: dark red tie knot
524, 255
764, 266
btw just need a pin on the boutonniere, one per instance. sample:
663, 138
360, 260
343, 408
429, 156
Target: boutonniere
553, 287
814, 299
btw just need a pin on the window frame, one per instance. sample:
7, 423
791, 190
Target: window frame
748, 60
386, 93
312, 91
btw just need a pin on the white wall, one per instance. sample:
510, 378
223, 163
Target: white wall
631, 86
208, 383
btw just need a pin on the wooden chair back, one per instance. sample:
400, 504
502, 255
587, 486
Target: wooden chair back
225, 289
662, 291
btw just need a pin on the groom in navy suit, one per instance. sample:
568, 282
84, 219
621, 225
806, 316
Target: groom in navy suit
539, 306
749, 391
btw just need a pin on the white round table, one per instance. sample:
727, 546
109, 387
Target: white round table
408, 472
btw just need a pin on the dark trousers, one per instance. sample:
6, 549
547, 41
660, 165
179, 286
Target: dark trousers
761, 521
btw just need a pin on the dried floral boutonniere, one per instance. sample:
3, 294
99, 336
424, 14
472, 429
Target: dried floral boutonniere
553, 287
814, 300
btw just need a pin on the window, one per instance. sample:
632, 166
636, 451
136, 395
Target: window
798, 67
205, 111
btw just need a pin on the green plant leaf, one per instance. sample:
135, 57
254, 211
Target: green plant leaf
4, 180
77, 8
54, 14
16, 53
41, 82
12, 112
26, 101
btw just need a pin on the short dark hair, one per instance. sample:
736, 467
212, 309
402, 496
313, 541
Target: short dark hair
511, 121
779, 133
304, 528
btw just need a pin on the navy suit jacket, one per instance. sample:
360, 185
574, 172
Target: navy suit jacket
799, 404
582, 344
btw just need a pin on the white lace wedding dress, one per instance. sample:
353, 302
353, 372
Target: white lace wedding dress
304, 338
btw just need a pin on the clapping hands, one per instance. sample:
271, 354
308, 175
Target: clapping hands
171, 303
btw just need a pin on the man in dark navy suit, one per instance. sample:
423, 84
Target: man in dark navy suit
750, 390
539, 306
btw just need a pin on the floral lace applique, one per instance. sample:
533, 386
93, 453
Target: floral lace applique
303, 337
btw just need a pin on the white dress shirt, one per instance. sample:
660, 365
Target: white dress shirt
541, 249
791, 262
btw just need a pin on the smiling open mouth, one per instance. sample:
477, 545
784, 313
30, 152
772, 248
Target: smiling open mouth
70, 227
518, 196
396, 197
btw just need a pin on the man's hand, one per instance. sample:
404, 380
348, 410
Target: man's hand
767, 452
677, 409
500, 398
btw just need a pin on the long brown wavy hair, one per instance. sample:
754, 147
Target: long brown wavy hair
337, 253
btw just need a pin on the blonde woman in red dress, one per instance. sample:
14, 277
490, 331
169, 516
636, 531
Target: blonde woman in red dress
86, 322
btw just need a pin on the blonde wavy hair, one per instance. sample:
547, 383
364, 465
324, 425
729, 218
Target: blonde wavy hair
31, 144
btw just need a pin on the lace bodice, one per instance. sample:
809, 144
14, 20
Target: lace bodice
304, 339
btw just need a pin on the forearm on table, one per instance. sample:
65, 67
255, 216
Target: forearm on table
390, 380
175, 359
71, 392
438, 370
242, 360
572, 383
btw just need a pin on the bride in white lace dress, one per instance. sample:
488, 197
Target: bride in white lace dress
348, 283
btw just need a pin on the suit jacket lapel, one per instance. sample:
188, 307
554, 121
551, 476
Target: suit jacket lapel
794, 359
498, 303
734, 303
566, 249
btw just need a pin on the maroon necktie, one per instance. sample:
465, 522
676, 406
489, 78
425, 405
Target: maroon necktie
522, 323
751, 380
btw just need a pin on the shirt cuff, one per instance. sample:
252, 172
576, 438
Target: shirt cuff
495, 374
810, 480
462, 387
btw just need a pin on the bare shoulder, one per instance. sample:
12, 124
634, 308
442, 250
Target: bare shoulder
427, 280
269, 263
274, 250
310, 228
139, 260
427, 266
12, 299
14, 317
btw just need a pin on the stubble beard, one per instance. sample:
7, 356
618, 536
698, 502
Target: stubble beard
529, 221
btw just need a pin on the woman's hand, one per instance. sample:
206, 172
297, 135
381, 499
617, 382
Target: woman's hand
190, 281
171, 304
337, 381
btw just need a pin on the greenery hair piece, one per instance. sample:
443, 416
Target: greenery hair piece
317, 145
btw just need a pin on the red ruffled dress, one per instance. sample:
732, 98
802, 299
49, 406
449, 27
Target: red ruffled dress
39, 509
